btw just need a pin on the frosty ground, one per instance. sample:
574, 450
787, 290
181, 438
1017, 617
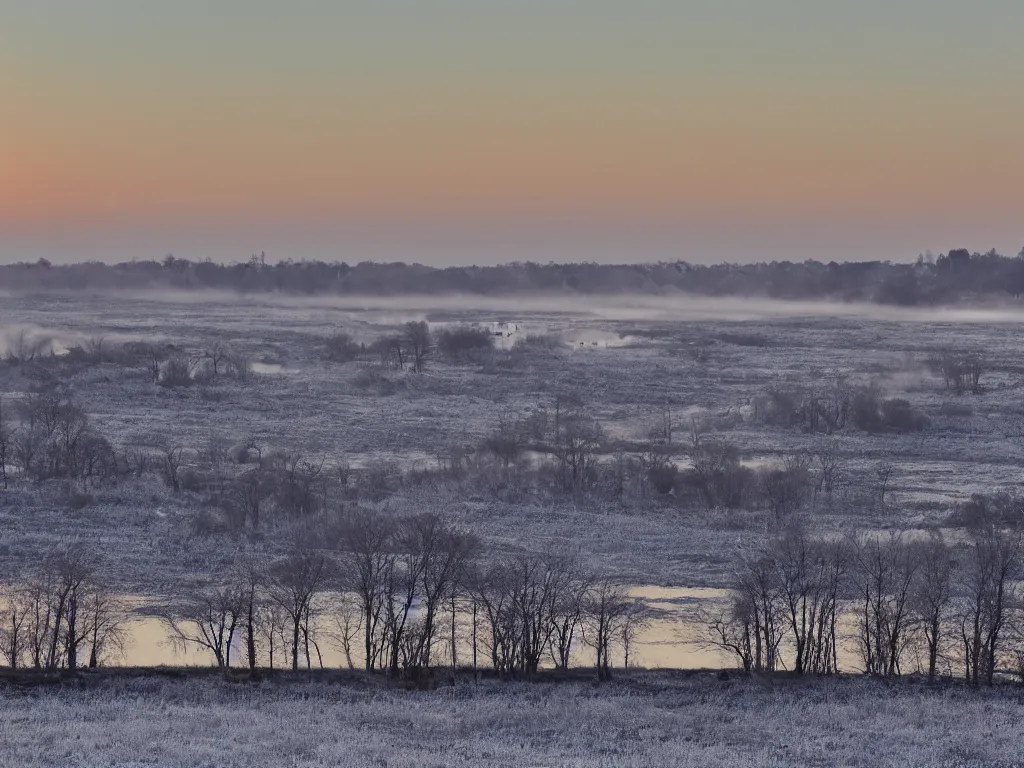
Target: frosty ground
636, 360
643, 719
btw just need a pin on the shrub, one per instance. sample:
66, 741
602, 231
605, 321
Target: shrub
463, 343
778, 408
203, 373
340, 348
865, 410
663, 478
238, 368
898, 415
176, 372
871, 414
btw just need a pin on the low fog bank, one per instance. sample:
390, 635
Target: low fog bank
673, 307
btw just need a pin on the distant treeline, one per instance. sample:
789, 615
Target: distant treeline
955, 276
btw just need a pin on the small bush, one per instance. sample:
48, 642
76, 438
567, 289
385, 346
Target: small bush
203, 374
176, 372
340, 348
463, 343
244, 453
865, 410
899, 416
870, 413
238, 368
663, 478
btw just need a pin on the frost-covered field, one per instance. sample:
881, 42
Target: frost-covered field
648, 719
642, 363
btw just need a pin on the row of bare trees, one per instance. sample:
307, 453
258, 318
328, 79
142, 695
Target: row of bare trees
62, 615
905, 604
401, 595
413, 345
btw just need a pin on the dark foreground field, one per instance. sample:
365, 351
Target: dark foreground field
641, 719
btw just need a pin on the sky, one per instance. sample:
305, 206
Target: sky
483, 131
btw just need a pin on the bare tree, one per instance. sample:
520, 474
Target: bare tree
300, 487
218, 353
368, 544
638, 617
932, 595
54, 605
207, 619
520, 602
960, 372
809, 575
246, 495
294, 583
249, 580
506, 442
828, 405
75, 571
151, 356
271, 626
885, 575
438, 553
15, 610
755, 623
884, 471
105, 624
348, 618
580, 439
419, 342
393, 350
991, 569
605, 611
171, 466
567, 614
828, 466
784, 488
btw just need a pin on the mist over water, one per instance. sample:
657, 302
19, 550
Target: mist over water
676, 307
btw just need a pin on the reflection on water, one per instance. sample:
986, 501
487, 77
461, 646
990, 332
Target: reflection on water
674, 638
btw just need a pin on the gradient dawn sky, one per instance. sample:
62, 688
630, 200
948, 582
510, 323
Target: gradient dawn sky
457, 131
